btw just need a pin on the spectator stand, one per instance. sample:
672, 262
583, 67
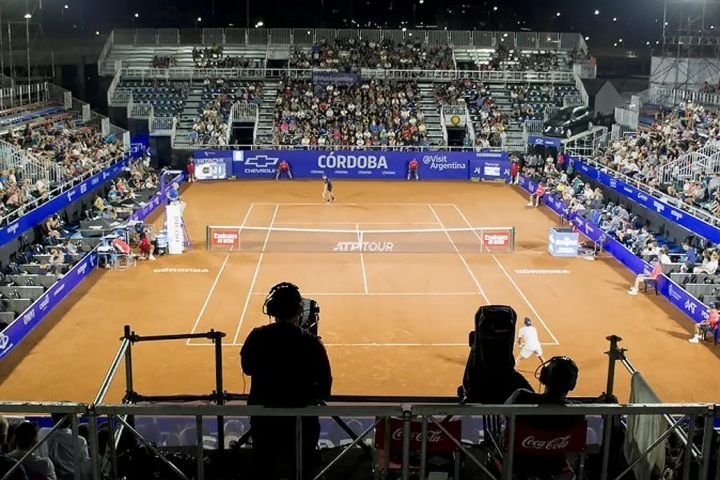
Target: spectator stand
173, 423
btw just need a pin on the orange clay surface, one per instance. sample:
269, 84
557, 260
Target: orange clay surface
406, 336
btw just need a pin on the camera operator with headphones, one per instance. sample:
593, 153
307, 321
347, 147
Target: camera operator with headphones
289, 367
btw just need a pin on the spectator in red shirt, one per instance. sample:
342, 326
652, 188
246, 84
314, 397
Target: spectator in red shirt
191, 170
535, 197
514, 170
709, 325
653, 275
147, 249
413, 170
283, 170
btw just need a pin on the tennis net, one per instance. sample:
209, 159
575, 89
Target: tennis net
310, 240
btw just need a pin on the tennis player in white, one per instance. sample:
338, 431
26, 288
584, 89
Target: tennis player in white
529, 342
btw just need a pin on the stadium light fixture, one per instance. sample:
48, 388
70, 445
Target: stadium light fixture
620, 41
137, 15
587, 38
597, 12
66, 7
97, 32
28, 16
494, 9
614, 19
259, 24
557, 14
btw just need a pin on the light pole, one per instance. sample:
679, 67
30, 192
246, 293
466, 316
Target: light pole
62, 13
135, 17
197, 21
27, 45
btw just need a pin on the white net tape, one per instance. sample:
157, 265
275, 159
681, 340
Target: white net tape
306, 240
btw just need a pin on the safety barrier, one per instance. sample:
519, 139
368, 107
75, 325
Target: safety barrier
162, 125
361, 164
671, 96
693, 164
304, 36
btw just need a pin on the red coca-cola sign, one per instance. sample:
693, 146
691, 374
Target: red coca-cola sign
437, 440
558, 443
533, 441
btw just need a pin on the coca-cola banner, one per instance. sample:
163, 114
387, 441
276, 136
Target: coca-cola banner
437, 440
536, 442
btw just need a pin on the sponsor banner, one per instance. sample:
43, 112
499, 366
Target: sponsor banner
496, 239
490, 169
224, 237
686, 303
359, 164
34, 217
675, 215
175, 232
214, 164
335, 78
537, 140
30, 318
563, 244
25, 323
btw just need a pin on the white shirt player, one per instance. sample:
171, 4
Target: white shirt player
531, 341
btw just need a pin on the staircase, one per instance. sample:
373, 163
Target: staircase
186, 119
429, 108
502, 99
265, 123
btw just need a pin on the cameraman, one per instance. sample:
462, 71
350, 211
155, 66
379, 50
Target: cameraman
289, 368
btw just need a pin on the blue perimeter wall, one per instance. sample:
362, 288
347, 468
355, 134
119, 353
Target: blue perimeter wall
686, 303
25, 323
358, 164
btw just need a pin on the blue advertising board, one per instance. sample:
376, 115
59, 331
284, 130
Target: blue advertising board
34, 217
562, 243
30, 318
214, 164
488, 168
673, 214
682, 300
539, 141
25, 323
360, 164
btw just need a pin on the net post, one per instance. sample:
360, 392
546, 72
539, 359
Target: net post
208, 247
512, 243
482, 239
239, 239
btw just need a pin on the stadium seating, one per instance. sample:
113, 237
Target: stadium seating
375, 113
167, 98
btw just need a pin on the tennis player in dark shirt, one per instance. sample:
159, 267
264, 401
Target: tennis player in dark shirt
328, 189
289, 368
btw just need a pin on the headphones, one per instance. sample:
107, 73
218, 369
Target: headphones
283, 301
560, 373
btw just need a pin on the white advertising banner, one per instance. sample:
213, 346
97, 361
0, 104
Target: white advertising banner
175, 232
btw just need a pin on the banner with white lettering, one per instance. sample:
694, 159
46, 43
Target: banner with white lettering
176, 234
360, 164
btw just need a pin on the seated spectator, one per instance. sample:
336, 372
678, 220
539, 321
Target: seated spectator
60, 449
710, 325
55, 263
536, 196
163, 62
7, 462
710, 265
37, 467
652, 276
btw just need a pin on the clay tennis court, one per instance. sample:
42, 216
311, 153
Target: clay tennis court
394, 323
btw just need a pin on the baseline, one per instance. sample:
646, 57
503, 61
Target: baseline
384, 294
255, 275
514, 284
396, 204
465, 345
217, 279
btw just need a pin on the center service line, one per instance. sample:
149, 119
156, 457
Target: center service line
217, 279
515, 285
462, 258
255, 275
362, 259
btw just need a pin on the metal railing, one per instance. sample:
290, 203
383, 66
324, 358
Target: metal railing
580, 87
573, 100
113, 87
671, 96
704, 161
185, 73
533, 126
303, 36
242, 112
162, 125
586, 69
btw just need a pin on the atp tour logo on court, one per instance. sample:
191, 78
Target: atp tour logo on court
364, 247
496, 239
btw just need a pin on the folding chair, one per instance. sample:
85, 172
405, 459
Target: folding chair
389, 447
650, 282
542, 453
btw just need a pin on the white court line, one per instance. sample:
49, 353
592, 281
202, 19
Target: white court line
362, 258
360, 223
358, 204
462, 258
385, 294
255, 275
515, 285
217, 279
465, 345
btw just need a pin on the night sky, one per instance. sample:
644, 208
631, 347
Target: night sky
630, 24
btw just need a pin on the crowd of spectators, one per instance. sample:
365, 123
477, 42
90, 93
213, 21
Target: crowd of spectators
214, 57
219, 95
686, 128
163, 62
350, 55
64, 150
373, 113
489, 123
